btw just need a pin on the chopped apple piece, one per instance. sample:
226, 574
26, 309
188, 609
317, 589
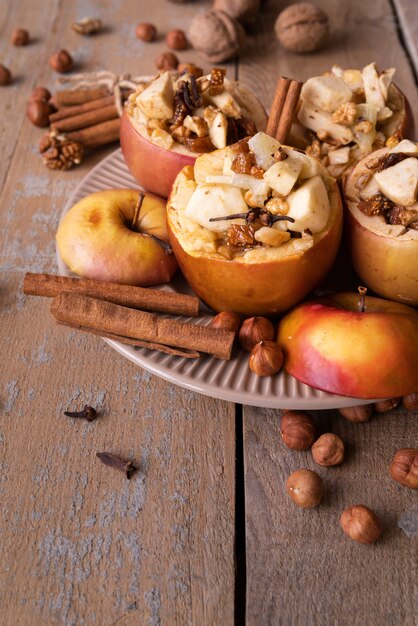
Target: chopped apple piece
283, 175
406, 146
310, 167
160, 137
373, 91
225, 103
354, 79
399, 183
326, 92
264, 147
210, 163
271, 236
339, 156
218, 130
365, 113
244, 181
371, 189
156, 101
309, 206
385, 80
318, 120
209, 201
227, 166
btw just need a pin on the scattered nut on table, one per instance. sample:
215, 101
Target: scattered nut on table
40, 93
245, 11
404, 467
361, 524
61, 61
166, 61
176, 39
215, 36
302, 27
360, 413
87, 26
253, 330
266, 358
5, 75
146, 31
328, 450
38, 111
227, 320
20, 37
306, 488
297, 430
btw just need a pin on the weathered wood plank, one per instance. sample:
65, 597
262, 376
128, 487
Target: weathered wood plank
79, 543
301, 569
407, 12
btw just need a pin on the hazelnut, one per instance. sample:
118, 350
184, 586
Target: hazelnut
253, 330
297, 430
146, 31
5, 75
302, 27
328, 450
404, 467
306, 488
227, 320
20, 37
384, 406
360, 413
215, 36
40, 93
361, 524
245, 11
167, 61
38, 112
61, 61
410, 401
266, 358
190, 68
176, 39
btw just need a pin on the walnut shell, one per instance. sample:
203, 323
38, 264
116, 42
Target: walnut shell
245, 11
302, 27
215, 36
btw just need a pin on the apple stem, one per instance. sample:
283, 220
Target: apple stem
137, 210
362, 299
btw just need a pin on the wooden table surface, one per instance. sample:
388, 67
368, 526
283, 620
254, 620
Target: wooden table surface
204, 533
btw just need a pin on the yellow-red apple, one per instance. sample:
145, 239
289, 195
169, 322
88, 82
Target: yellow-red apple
332, 345
96, 240
385, 256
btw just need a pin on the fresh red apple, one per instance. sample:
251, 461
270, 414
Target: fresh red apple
332, 344
384, 255
265, 280
96, 238
350, 113
154, 154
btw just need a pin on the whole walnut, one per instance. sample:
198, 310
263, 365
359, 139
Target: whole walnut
216, 36
245, 11
302, 27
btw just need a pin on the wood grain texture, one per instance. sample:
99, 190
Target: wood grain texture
80, 544
407, 12
301, 569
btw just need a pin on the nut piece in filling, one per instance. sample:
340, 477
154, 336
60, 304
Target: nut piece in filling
381, 195
255, 226
346, 114
176, 116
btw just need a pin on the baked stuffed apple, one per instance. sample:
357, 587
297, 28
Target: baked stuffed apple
175, 117
382, 221
254, 226
346, 114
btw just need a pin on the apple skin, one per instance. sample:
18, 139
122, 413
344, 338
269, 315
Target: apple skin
154, 167
330, 345
386, 264
266, 288
95, 241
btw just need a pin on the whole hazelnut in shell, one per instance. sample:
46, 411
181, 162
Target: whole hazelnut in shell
266, 358
5, 75
227, 320
360, 413
306, 488
245, 11
361, 524
410, 402
176, 40
302, 27
146, 31
297, 430
328, 450
253, 330
384, 406
38, 111
166, 61
404, 467
40, 93
216, 36
61, 61
20, 37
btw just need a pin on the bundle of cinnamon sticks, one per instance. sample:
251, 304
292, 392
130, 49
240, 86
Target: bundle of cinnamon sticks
283, 108
130, 315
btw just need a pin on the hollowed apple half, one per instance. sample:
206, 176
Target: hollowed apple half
385, 260
330, 345
266, 287
154, 167
95, 239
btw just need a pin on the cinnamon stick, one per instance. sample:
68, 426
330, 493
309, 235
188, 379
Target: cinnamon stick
276, 108
97, 135
85, 312
65, 112
187, 354
70, 97
143, 298
87, 118
288, 111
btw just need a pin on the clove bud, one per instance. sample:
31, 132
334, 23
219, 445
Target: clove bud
87, 413
117, 462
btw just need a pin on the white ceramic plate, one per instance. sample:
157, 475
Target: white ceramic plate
228, 380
